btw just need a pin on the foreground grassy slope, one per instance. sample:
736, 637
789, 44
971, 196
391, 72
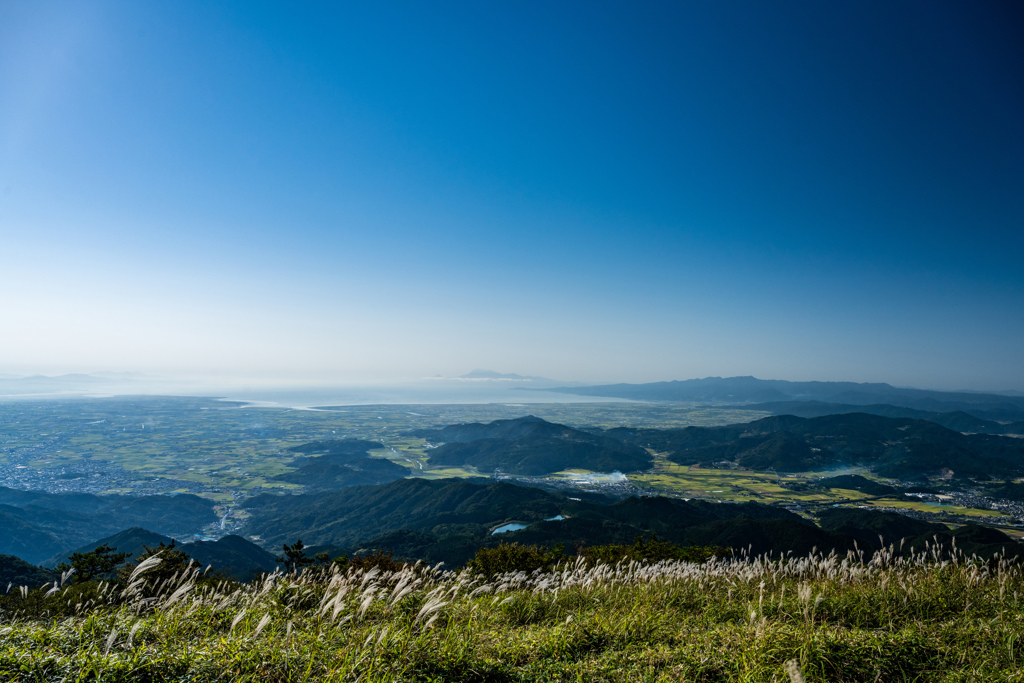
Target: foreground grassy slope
840, 618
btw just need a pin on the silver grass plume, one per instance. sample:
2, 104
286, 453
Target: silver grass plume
144, 566
110, 641
259, 627
238, 618
795, 674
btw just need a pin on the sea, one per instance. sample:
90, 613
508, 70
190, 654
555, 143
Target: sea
399, 394
297, 395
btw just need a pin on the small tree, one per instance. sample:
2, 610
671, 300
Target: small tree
295, 556
173, 561
97, 562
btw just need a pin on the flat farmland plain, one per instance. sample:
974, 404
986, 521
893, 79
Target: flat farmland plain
225, 450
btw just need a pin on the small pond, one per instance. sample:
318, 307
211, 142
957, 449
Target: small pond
516, 526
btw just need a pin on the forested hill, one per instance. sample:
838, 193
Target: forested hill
337, 463
355, 448
892, 447
531, 446
16, 571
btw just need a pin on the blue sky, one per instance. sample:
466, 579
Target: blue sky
588, 191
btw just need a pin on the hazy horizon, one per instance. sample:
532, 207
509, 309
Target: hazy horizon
435, 386
593, 193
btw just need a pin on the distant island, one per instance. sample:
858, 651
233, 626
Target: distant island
501, 376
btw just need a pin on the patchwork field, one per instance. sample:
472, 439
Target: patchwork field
668, 478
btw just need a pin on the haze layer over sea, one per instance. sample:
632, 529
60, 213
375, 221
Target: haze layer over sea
298, 394
427, 392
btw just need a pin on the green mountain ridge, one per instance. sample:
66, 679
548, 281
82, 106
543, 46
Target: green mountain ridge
893, 447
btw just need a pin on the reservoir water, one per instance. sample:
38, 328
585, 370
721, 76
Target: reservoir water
516, 526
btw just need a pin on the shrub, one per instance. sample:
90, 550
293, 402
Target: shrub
381, 560
512, 557
651, 550
98, 562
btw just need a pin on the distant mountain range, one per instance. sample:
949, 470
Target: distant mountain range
1006, 407
43, 384
956, 420
77, 383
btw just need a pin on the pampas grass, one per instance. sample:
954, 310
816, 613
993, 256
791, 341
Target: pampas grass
821, 617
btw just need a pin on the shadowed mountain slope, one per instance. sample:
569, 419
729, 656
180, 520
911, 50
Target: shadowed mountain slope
358, 513
16, 571
36, 525
132, 541
231, 555
449, 520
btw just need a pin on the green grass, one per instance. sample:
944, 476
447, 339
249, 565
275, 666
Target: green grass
839, 618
